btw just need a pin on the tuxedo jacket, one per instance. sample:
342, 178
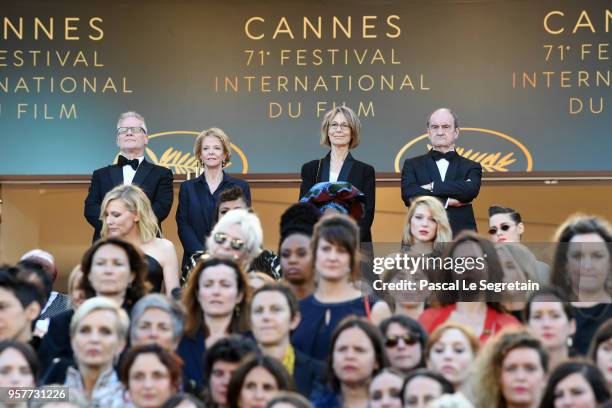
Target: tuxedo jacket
155, 181
195, 214
359, 174
462, 182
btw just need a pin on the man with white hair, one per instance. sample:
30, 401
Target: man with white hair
131, 168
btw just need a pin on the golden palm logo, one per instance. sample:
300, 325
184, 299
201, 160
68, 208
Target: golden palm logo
509, 153
177, 153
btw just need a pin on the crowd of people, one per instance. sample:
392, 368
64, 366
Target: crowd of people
237, 325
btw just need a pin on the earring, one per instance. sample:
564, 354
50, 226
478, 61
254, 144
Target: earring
569, 342
237, 310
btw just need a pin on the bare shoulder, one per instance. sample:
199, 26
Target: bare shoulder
380, 312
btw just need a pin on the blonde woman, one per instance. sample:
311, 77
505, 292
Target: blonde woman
99, 324
426, 227
198, 198
127, 214
341, 132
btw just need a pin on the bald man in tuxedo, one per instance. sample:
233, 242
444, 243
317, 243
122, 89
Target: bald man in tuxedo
444, 174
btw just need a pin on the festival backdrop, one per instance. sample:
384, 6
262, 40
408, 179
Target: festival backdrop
530, 80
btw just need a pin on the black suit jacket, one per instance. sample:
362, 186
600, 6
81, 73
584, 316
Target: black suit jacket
156, 182
307, 372
462, 182
359, 174
195, 217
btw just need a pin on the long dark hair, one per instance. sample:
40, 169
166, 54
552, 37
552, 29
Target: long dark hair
26, 351
371, 333
576, 224
195, 315
139, 286
588, 371
272, 365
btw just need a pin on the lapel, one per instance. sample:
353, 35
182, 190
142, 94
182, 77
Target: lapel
453, 166
116, 174
324, 171
202, 193
143, 171
433, 168
345, 171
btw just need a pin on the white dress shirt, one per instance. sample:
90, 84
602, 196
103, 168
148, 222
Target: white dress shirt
129, 172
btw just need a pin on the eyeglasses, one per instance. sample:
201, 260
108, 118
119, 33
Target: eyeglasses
503, 227
445, 128
137, 130
235, 243
342, 126
409, 339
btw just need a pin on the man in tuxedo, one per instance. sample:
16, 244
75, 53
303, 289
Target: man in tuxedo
131, 168
442, 173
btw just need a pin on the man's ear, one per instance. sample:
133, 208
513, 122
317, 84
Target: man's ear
32, 311
520, 227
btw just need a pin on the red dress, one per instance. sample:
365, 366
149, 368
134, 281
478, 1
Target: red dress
433, 317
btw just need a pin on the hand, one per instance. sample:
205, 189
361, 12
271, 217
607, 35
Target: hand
456, 203
428, 186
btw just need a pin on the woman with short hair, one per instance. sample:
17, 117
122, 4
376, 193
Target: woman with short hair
341, 131
199, 197
274, 313
238, 236
151, 374
335, 248
98, 334
126, 213
157, 319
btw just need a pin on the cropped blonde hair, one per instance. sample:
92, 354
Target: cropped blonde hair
221, 136
438, 213
122, 323
136, 202
351, 118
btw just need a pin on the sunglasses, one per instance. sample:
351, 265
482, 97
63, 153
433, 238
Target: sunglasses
409, 339
235, 243
503, 227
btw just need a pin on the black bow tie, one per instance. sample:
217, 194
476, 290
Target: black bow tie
123, 161
439, 155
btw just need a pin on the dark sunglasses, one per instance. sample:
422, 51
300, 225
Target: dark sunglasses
409, 339
236, 243
503, 227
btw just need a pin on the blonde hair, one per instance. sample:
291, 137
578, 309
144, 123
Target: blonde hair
91, 305
438, 213
351, 118
132, 114
221, 136
136, 202
250, 227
